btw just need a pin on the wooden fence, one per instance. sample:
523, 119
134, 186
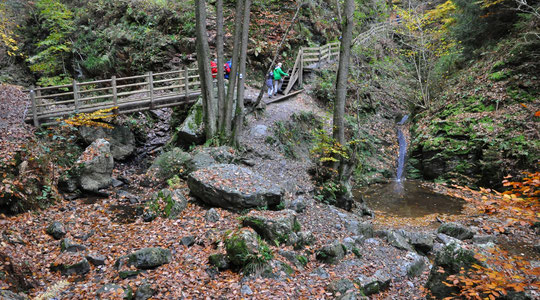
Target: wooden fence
145, 92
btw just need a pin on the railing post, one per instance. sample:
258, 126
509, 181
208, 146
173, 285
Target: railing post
320, 57
186, 82
151, 88
301, 69
34, 110
39, 100
76, 96
114, 94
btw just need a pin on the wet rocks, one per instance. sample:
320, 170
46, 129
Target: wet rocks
301, 239
121, 139
275, 228
94, 167
456, 230
331, 253
417, 266
56, 230
379, 282
451, 259
398, 240
233, 187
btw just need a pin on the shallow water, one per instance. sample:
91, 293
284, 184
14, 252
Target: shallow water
408, 198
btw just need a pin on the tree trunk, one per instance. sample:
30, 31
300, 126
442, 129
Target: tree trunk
205, 73
220, 63
239, 115
227, 124
343, 74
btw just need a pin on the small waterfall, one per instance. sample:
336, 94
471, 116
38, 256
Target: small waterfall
402, 149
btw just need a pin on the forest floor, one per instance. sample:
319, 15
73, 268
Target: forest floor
112, 227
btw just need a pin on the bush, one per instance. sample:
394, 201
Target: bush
325, 86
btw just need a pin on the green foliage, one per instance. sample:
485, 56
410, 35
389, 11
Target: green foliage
295, 137
54, 51
325, 86
161, 205
302, 259
499, 75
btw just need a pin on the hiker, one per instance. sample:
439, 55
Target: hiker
278, 78
227, 69
270, 83
213, 66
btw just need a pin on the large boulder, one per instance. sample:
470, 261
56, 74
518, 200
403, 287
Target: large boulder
245, 248
273, 226
452, 258
233, 187
121, 139
94, 167
191, 131
79, 268
200, 160
166, 204
170, 163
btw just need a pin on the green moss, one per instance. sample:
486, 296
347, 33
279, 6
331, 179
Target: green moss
499, 75
302, 259
296, 226
356, 252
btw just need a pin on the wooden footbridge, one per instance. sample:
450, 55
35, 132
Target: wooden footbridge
149, 91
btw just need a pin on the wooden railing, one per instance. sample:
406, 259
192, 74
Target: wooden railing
129, 94
145, 92
310, 58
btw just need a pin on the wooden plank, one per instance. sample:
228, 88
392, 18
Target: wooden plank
93, 82
39, 88
57, 103
133, 92
130, 77
285, 96
54, 95
169, 87
114, 93
131, 84
94, 90
301, 72
96, 97
166, 80
186, 81
168, 73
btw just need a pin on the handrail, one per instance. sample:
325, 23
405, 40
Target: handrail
62, 100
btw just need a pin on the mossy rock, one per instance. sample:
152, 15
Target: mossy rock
276, 228
246, 250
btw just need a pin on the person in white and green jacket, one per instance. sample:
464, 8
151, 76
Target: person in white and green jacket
278, 78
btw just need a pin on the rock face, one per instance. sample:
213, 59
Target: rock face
56, 230
200, 160
455, 230
95, 166
233, 187
341, 286
451, 259
121, 139
277, 227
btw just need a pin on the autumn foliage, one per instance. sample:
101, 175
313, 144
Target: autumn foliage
92, 119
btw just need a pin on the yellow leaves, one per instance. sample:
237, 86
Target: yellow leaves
89, 119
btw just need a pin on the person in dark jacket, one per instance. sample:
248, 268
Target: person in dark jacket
278, 78
270, 83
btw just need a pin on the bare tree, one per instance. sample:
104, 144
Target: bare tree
228, 108
239, 115
205, 74
343, 73
220, 63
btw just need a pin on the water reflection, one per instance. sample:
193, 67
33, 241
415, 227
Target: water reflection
408, 198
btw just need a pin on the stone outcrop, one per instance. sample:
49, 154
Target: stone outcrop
233, 187
121, 139
94, 167
274, 227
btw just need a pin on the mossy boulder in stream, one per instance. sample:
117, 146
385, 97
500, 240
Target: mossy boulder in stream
191, 131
